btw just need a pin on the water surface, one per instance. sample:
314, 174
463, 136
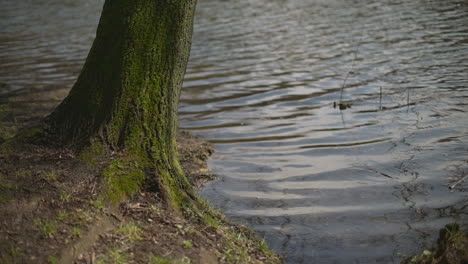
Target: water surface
367, 184
362, 185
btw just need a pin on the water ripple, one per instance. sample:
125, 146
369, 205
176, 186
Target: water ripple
369, 181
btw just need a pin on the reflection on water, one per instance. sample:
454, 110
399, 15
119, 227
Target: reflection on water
43, 43
362, 185
367, 184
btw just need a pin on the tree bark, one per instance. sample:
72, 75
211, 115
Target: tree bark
126, 96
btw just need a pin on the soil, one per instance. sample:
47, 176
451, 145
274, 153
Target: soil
51, 210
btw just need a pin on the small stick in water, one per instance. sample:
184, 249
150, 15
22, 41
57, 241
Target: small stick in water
458, 182
407, 99
380, 103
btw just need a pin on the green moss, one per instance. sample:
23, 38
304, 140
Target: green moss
99, 203
132, 105
47, 228
190, 230
3, 182
177, 189
239, 240
20, 140
92, 153
5, 111
187, 244
7, 128
237, 255
7, 132
238, 252
113, 256
23, 174
173, 193
123, 177
6, 188
210, 221
49, 175
155, 208
264, 247
4, 197
76, 231
131, 231
53, 260
65, 197
12, 256
85, 217
451, 236
64, 216
15, 252
159, 260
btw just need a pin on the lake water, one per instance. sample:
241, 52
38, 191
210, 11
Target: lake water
366, 184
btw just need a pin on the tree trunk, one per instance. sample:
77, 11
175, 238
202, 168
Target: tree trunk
127, 94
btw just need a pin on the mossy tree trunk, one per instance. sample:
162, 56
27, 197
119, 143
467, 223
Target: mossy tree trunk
127, 94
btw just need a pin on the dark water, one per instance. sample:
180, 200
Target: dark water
43, 43
367, 184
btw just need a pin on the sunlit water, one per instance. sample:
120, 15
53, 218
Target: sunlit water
367, 184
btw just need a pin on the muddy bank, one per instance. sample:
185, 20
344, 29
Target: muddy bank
52, 211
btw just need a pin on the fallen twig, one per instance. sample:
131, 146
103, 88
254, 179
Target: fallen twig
458, 182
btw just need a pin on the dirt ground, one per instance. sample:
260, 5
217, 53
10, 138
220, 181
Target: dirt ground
51, 210
51, 213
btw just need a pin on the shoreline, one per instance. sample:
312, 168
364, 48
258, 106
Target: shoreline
52, 210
